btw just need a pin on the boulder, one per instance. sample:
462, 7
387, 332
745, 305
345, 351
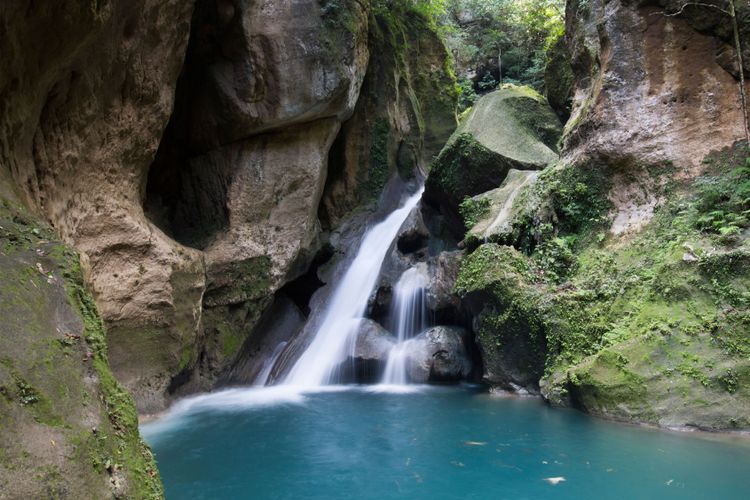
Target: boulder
443, 271
373, 342
438, 355
510, 128
488, 215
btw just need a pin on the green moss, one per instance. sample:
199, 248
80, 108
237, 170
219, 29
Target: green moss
466, 168
379, 169
125, 446
472, 210
623, 323
51, 367
558, 78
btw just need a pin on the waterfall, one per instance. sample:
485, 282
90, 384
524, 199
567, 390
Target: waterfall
408, 317
262, 377
317, 365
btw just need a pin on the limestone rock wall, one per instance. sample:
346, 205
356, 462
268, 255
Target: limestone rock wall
405, 114
86, 89
183, 147
650, 89
67, 428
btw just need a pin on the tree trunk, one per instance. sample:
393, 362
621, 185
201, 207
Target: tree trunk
738, 49
500, 65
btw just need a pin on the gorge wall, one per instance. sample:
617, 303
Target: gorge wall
190, 151
619, 283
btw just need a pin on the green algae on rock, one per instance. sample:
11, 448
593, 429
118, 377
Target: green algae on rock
67, 428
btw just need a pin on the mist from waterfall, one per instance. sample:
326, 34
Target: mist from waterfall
319, 363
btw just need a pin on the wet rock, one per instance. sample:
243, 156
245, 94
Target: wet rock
372, 345
443, 271
413, 235
373, 342
438, 355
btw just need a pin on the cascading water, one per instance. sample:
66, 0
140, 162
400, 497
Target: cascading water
318, 364
265, 372
409, 317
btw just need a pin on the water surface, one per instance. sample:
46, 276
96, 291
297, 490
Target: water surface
438, 443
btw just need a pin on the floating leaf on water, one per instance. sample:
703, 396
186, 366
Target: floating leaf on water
554, 480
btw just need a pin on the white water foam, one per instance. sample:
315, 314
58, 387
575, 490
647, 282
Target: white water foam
409, 318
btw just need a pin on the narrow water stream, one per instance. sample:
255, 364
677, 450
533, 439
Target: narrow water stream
409, 318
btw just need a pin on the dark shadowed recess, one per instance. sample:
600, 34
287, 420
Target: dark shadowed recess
186, 201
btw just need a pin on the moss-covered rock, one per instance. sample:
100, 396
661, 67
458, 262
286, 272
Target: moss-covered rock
495, 283
67, 428
511, 128
405, 114
488, 215
650, 327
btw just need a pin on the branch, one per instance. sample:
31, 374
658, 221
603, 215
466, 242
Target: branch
692, 4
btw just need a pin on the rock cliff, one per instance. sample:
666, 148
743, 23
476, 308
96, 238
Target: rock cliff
190, 151
626, 292
67, 428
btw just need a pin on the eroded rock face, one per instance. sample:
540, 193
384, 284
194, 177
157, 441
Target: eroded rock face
186, 233
86, 90
241, 171
660, 97
63, 415
405, 114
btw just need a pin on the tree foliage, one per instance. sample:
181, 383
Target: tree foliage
485, 34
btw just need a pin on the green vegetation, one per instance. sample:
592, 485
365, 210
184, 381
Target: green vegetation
517, 34
472, 210
55, 380
640, 328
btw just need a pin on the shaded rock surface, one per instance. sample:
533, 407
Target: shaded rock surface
438, 355
405, 114
86, 90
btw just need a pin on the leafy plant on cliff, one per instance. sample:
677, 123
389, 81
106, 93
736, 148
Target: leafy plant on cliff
723, 204
472, 210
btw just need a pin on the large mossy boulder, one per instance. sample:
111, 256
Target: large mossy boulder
67, 428
495, 285
512, 128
